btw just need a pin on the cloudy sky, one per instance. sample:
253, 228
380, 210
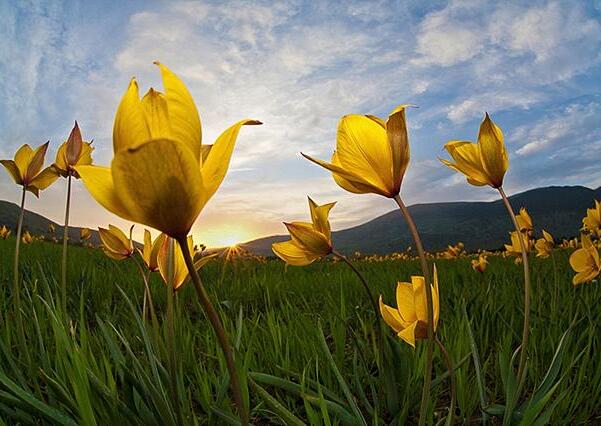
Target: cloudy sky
298, 66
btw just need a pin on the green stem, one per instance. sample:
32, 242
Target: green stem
65, 240
222, 337
449, 364
526, 330
423, 410
16, 284
171, 333
148, 297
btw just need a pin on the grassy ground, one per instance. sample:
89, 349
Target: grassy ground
106, 367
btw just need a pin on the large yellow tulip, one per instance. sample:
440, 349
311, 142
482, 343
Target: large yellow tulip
73, 152
585, 262
161, 175
26, 169
371, 154
483, 163
310, 241
410, 319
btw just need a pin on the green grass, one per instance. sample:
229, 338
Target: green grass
106, 367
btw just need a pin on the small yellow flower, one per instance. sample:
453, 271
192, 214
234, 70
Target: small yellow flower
4, 232
371, 154
74, 152
514, 248
592, 221
585, 262
310, 241
85, 234
27, 238
479, 265
161, 175
115, 243
410, 319
51, 228
150, 251
524, 221
26, 169
544, 246
483, 163
453, 252
177, 274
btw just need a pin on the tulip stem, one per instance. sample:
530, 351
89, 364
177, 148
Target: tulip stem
423, 411
16, 286
147, 297
526, 330
215, 321
64, 263
450, 368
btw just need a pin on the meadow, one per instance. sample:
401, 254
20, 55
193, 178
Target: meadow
304, 339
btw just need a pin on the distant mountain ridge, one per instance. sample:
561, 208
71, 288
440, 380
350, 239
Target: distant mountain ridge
479, 225
38, 224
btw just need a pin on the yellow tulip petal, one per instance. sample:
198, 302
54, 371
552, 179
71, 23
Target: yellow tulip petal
408, 334
183, 115
86, 154
99, 182
396, 129
492, 148
217, 162
60, 162
312, 240
391, 317
22, 159
46, 178
419, 298
130, 128
13, 170
293, 254
467, 161
36, 163
156, 114
405, 303
319, 217
435, 298
159, 184
579, 260
362, 148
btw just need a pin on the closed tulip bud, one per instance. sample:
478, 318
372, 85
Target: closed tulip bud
410, 318
26, 169
309, 241
371, 154
115, 243
74, 152
484, 162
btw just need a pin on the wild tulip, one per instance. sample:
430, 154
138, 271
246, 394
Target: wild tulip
544, 246
479, 265
115, 243
4, 232
585, 262
592, 221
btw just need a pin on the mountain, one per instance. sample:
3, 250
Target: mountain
557, 209
37, 224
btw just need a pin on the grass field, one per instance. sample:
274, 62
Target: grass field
106, 368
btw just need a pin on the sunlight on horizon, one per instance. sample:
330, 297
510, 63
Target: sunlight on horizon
224, 236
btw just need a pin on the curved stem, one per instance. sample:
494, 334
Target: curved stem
526, 330
449, 364
423, 411
222, 337
65, 240
16, 286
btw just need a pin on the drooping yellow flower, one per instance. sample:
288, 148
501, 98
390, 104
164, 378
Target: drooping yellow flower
544, 246
176, 274
309, 241
479, 265
371, 154
85, 234
26, 169
26, 238
4, 232
150, 251
73, 152
592, 221
161, 175
410, 319
115, 243
524, 221
514, 248
484, 162
585, 262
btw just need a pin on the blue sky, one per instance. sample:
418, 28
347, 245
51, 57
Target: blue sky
298, 66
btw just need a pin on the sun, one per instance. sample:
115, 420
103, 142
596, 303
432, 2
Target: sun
225, 236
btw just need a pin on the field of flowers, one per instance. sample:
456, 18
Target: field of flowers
168, 333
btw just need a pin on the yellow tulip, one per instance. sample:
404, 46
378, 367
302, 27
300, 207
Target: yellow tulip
585, 262
27, 238
544, 246
524, 221
85, 234
177, 273
483, 163
161, 175
115, 243
310, 241
73, 152
4, 232
410, 319
26, 169
51, 228
371, 154
150, 251
514, 248
479, 265
453, 252
592, 221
